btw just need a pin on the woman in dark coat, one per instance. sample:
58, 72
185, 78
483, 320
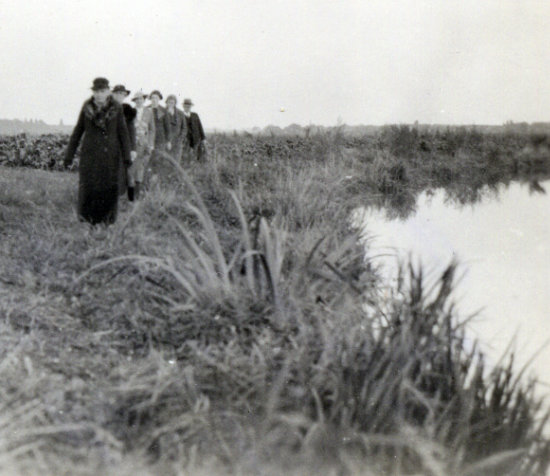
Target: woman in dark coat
174, 127
105, 146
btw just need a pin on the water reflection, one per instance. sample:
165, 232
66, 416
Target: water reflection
501, 241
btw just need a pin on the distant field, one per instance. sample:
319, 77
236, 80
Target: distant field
229, 324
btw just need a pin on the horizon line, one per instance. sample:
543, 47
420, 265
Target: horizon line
344, 124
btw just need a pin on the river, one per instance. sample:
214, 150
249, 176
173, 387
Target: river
502, 244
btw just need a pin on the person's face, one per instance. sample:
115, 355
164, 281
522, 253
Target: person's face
100, 95
155, 100
139, 101
187, 107
119, 96
171, 103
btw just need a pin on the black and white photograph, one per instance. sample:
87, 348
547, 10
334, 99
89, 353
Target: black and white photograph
275, 238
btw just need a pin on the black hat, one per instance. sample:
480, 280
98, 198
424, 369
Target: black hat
120, 88
157, 92
100, 83
187, 102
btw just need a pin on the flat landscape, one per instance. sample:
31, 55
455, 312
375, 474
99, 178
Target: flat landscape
229, 323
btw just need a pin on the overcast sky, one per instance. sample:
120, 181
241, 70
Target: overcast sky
242, 61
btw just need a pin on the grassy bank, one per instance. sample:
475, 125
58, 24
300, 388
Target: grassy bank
228, 323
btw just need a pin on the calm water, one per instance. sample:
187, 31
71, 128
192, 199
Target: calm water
503, 246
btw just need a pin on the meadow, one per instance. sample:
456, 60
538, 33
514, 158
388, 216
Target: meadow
229, 323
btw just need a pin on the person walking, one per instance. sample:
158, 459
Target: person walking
120, 93
145, 144
160, 136
158, 113
175, 128
195, 133
105, 148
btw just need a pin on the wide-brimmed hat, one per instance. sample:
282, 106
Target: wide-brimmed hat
187, 102
157, 92
120, 88
100, 83
171, 96
139, 94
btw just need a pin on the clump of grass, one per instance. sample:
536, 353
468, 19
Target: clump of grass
293, 349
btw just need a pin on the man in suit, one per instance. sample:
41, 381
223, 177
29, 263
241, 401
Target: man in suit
145, 144
195, 133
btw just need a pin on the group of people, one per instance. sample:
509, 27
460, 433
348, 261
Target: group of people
119, 142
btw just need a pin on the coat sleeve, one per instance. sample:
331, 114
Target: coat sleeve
201, 131
166, 126
131, 126
123, 137
132, 134
182, 133
152, 131
74, 140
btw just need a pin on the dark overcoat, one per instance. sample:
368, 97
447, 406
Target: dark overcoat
104, 151
129, 116
175, 129
195, 132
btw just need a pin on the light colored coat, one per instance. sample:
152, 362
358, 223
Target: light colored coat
145, 128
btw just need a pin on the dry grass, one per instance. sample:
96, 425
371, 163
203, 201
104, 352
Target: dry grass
220, 329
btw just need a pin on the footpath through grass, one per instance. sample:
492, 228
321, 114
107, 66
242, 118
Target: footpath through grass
229, 324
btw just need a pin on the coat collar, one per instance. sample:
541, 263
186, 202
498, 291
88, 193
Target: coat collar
100, 115
129, 112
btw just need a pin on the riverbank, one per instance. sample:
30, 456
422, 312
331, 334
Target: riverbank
228, 324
